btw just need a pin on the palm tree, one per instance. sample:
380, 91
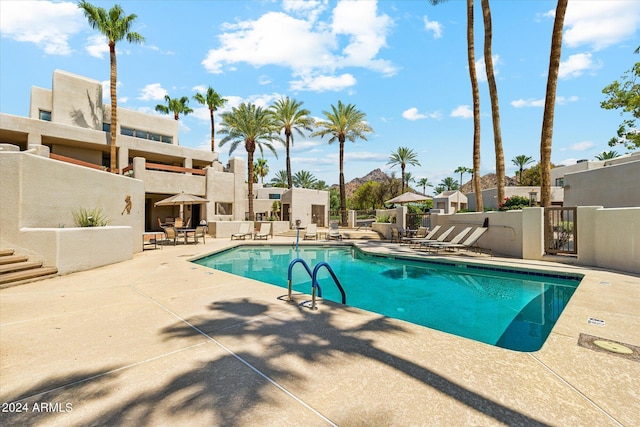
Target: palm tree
176, 106
493, 94
477, 185
254, 126
424, 183
304, 179
213, 101
607, 155
521, 161
344, 122
549, 104
115, 26
261, 169
320, 185
289, 116
280, 180
409, 178
403, 156
439, 189
462, 170
449, 184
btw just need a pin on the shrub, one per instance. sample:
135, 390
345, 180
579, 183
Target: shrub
514, 202
383, 218
90, 218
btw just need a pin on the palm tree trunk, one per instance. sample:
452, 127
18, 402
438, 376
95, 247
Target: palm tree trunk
549, 105
493, 93
402, 167
114, 108
343, 195
213, 132
250, 171
288, 140
476, 108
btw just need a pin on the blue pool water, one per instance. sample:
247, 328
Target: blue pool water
506, 308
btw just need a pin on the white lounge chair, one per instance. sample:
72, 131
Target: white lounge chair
471, 241
264, 232
427, 236
243, 232
312, 232
441, 238
455, 240
334, 232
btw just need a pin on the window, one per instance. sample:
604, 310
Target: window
106, 127
274, 196
142, 134
45, 115
167, 139
127, 131
560, 182
224, 208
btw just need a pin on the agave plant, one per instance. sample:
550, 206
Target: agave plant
90, 218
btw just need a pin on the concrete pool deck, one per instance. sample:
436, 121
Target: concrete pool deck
158, 340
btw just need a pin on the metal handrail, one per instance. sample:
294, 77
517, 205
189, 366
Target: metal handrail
314, 280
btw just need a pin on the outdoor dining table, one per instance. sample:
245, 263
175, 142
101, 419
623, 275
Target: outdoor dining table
185, 232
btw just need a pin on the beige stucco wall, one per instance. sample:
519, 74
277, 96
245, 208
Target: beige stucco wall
40, 193
610, 186
301, 201
609, 238
77, 101
490, 195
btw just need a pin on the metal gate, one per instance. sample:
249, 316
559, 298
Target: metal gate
561, 230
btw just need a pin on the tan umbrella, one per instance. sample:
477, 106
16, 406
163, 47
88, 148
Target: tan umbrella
407, 197
181, 199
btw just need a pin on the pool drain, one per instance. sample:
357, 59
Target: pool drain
613, 347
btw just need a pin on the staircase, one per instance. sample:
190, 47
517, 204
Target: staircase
17, 269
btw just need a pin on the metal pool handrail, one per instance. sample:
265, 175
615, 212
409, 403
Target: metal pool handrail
314, 280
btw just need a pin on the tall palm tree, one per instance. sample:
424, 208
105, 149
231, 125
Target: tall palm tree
213, 101
449, 184
290, 117
320, 185
304, 179
254, 126
493, 94
549, 104
403, 156
115, 26
280, 180
408, 178
607, 155
477, 185
521, 161
344, 122
462, 170
424, 183
261, 169
176, 106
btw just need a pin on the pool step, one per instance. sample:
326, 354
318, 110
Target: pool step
17, 269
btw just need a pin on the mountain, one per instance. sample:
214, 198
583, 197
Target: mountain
489, 181
375, 175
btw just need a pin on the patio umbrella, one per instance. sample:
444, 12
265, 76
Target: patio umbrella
407, 197
181, 200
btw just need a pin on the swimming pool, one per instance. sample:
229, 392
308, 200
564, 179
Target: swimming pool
505, 308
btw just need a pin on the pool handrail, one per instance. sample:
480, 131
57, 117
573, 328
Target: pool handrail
335, 279
306, 267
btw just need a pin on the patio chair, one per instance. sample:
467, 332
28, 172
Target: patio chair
420, 233
188, 224
160, 224
200, 231
334, 231
178, 223
171, 235
441, 238
243, 232
470, 243
312, 232
264, 232
395, 235
455, 240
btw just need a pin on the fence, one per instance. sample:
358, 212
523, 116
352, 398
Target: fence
560, 230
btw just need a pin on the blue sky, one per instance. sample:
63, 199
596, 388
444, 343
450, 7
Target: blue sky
403, 63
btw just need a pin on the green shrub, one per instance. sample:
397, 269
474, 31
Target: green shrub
514, 202
383, 218
90, 218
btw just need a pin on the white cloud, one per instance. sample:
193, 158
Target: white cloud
97, 46
575, 65
582, 146
323, 83
46, 24
463, 111
363, 156
106, 90
434, 26
152, 92
413, 114
313, 50
601, 23
561, 100
531, 102
200, 89
481, 67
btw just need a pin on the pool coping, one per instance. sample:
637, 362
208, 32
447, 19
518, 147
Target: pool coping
334, 366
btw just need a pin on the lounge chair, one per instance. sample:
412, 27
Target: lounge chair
467, 244
420, 234
171, 235
243, 232
395, 235
311, 232
429, 238
264, 232
334, 232
455, 240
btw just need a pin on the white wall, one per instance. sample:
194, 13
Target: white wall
609, 186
